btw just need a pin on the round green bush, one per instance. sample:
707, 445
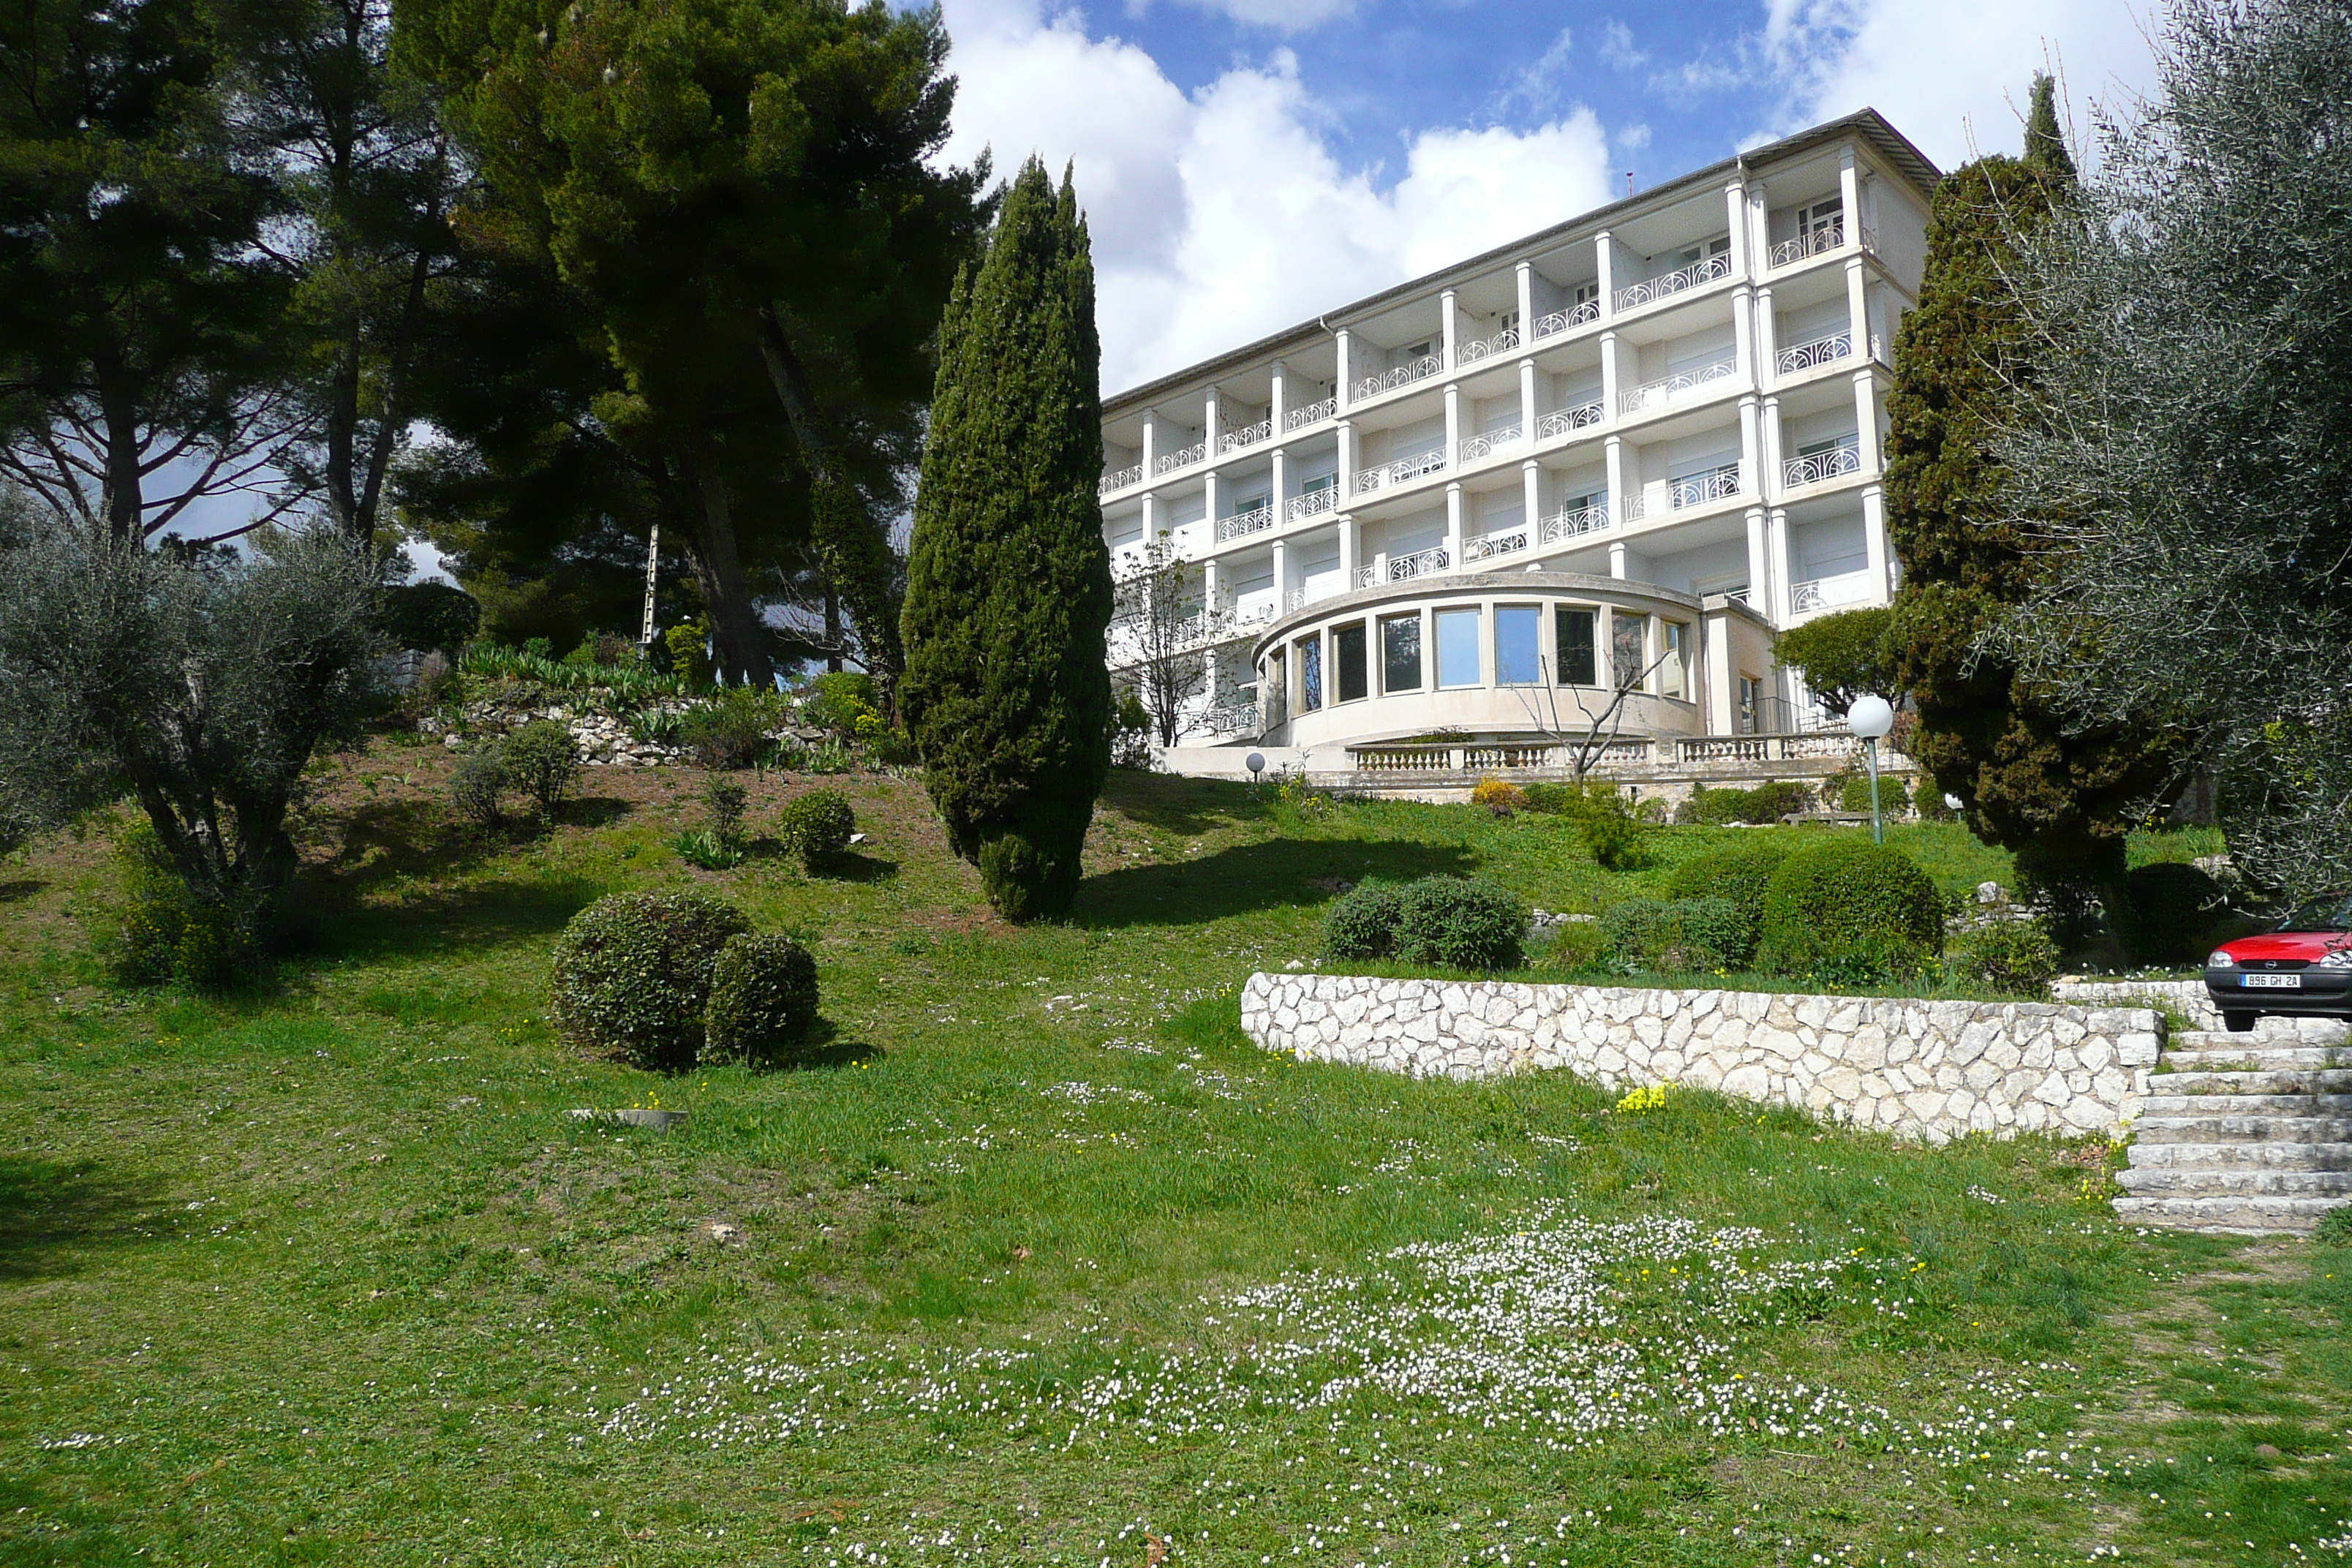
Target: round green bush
1739, 872
762, 1001
1847, 902
542, 761
475, 784
1460, 922
1894, 793
2017, 956
630, 974
1362, 923
1679, 936
816, 825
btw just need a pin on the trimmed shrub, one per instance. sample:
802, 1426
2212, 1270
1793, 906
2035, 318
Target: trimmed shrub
732, 730
1853, 793
630, 974
1576, 946
2010, 956
541, 760
1847, 902
2169, 913
1499, 795
1739, 872
816, 825
1362, 923
1679, 935
1762, 807
1460, 922
762, 1001
724, 799
475, 784
1551, 799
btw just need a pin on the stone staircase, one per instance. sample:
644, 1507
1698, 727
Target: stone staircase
2248, 1133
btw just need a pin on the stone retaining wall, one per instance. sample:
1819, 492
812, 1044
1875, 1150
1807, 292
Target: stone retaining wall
1921, 1069
2187, 997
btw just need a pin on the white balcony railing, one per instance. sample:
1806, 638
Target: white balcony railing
1248, 436
1567, 421
1300, 417
1574, 522
1820, 467
1829, 593
1807, 357
1241, 524
1119, 479
1312, 503
1183, 456
1561, 320
1813, 242
1489, 756
1503, 542
1405, 375
1402, 568
1697, 489
1501, 342
1697, 275
1655, 393
1231, 719
1256, 615
1477, 447
1404, 471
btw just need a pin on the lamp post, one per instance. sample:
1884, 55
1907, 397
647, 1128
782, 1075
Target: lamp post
1870, 718
1256, 763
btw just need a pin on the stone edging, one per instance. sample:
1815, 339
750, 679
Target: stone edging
1930, 1070
2187, 997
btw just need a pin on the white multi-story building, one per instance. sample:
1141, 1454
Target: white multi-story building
1436, 529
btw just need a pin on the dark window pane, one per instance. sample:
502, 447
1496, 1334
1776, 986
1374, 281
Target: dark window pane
1628, 648
1401, 653
1310, 675
1348, 652
1576, 661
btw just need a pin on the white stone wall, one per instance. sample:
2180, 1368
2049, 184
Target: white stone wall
1931, 1070
2187, 997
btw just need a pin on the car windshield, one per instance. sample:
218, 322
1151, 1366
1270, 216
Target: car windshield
2333, 912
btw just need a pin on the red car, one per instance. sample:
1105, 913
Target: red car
2303, 968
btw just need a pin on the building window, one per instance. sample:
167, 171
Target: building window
1673, 672
1747, 717
1629, 645
1519, 656
1401, 653
1348, 654
1316, 484
1457, 648
1311, 674
1820, 217
1575, 630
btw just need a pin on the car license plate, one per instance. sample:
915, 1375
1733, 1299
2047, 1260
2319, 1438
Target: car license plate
2273, 982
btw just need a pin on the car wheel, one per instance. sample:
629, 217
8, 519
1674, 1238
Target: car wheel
2238, 1023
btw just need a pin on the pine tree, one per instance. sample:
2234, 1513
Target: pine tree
1009, 594
2045, 146
2060, 801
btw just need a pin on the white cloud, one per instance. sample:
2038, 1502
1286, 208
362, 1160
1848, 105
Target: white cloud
1282, 16
1221, 217
1953, 78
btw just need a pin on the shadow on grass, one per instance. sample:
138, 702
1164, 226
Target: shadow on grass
1254, 877
18, 890
849, 866
52, 1213
1176, 805
593, 811
481, 915
825, 1048
386, 841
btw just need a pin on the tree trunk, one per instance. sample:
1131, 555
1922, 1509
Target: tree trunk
734, 624
832, 629
125, 490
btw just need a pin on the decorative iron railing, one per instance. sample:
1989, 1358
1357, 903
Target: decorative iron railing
1811, 355
1477, 447
1183, 456
1404, 471
1308, 414
1231, 719
1405, 375
1812, 242
1565, 421
1828, 592
1248, 436
1503, 341
1311, 504
1241, 524
1119, 479
1697, 489
1486, 546
1575, 522
1403, 568
1489, 756
1653, 393
1561, 320
1818, 468
1698, 274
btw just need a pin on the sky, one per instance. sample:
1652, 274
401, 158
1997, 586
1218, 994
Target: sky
1246, 164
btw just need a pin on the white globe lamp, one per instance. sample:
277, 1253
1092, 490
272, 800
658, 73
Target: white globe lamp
1871, 718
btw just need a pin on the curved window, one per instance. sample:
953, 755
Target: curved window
1519, 653
1401, 653
1348, 661
1457, 648
1574, 629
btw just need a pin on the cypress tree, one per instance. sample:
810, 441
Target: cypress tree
1008, 592
2060, 801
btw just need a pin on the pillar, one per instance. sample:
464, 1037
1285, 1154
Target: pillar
1767, 339
1775, 543
1281, 502
1751, 453
1346, 459
1772, 449
1278, 401
1527, 279
1531, 498
1605, 256
1617, 559
1865, 418
1453, 527
1850, 196
1743, 338
1735, 201
1452, 424
1759, 569
1281, 578
1212, 498
1340, 387
1609, 377
1528, 397
1449, 325
1351, 549
1612, 451
1874, 537
1857, 308
1212, 422
1151, 518
1150, 444
1209, 604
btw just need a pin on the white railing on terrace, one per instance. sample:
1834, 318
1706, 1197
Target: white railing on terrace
1813, 242
1309, 413
1231, 719
1248, 436
1565, 421
1697, 489
1241, 524
1503, 542
1183, 456
1404, 471
1477, 447
1256, 615
1405, 375
1560, 321
1829, 593
1402, 568
1311, 504
1575, 522
1119, 479
1819, 351
1812, 746
1697, 275
1503, 341
1487, 757
1653, 393
1818, 468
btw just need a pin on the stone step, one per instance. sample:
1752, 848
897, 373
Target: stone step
2271, 1058
2160, 1103
2215, 1183
2215, 1127
2277, 1155
2259, 1214
2289, 1080
2281, 1031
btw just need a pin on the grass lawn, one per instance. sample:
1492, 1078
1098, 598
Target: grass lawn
1048, 1264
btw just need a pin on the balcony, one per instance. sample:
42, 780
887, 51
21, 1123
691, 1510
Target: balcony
1248, 436
1241, 524
1820, 467
1404, 471
1561, 320
1183, 456
1405, 375
1567, 421
1697, 275
1802, 357
1477, 447
1312, 413
1818, 242
1829, 593
1493, 755
1403, 568
1232, 718
1715, 484
1675, 387
1502, 541
1812, 746
1574, 522
1313, 503
1119, 479
1501, 342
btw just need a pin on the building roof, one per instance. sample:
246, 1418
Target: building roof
1867, 123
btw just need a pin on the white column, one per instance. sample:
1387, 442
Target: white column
1528, 397
1609, 377
1752, 452
1351, 549
1770, 444
1606, 253
1759, 566
1448, 328
1767, 339
1759, 227
1865, 415
1348, 460
1857, 308
1453, 424
1453, 527
1531, 483
1850, 194
1281, 579
1278, 401
1208, 585
1617, 559
1339, 385
1776, 544
1526, 303
1613, 452
1874, 538
1213, 496
1150, 444
1281, 486
1212, 422
1735, 201
1743, 338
